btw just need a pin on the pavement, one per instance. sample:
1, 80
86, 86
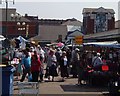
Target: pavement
68, 87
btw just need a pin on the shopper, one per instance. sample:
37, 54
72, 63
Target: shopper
35, 67
51, 65
26, 64
63, 65
97, 61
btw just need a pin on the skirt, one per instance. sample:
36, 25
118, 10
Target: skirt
53, 70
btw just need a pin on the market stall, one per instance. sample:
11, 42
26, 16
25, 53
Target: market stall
108, 44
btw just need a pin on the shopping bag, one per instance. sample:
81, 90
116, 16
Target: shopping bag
30, 78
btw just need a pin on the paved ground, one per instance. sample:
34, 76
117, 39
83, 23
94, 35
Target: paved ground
67, 87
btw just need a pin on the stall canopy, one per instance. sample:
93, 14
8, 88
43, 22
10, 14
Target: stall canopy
101, 43
22, 39
110, 44
60, 44
22, 42
2, 38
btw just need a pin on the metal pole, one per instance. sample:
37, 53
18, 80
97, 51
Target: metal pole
6, 17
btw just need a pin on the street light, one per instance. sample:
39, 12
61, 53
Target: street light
16, 17
22, 26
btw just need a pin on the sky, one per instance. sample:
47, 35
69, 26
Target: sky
60, 9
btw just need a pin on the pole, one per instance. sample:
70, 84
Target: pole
27, 30
6, 17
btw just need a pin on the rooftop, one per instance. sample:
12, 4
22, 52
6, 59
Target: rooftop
100, 9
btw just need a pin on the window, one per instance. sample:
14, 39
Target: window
101, 22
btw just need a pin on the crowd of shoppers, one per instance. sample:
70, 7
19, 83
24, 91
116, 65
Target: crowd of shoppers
48, 62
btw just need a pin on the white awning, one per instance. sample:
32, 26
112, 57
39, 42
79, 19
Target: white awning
110, 44
102, 43
2, 37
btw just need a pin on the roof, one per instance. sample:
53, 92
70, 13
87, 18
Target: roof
74, 33
50, 21
9, 12
110, 44
32, 18
101, 9
102, 43
75, 23
102, 35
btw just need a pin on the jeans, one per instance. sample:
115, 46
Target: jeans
25, 71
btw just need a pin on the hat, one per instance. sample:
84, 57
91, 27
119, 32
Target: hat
58, 49
98, 54
38, 46
76, 49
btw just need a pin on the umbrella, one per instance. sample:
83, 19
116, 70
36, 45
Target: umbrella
60, 44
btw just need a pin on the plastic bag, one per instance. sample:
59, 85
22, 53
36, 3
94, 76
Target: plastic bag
30, 78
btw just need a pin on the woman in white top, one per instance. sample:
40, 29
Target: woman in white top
63, 65
51, 64
97, 60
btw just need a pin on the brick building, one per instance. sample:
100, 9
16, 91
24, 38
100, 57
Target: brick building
110, 35
98, 20
16, 25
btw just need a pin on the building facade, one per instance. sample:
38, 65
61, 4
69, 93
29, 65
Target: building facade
51, 30
98, 20
13, 24
117, 24
74, 28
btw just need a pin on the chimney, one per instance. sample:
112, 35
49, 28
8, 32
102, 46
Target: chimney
26, 15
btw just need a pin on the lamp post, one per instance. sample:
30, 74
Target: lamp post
23, 27
6, 16
23, 24
16, 17
20, 26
